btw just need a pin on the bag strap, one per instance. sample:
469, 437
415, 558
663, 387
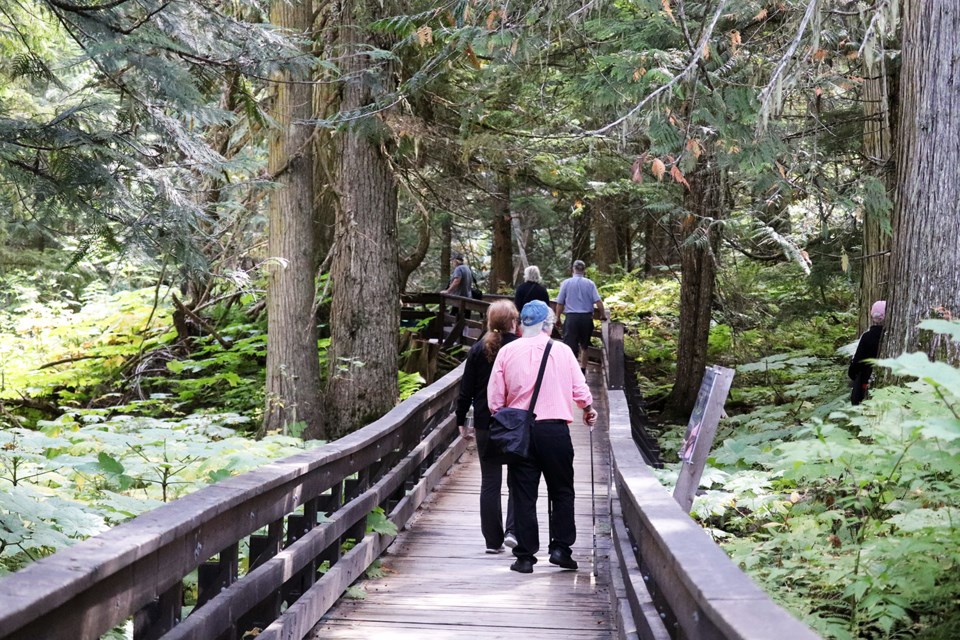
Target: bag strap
543, 367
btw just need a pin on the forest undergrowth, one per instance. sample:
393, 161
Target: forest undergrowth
846, 515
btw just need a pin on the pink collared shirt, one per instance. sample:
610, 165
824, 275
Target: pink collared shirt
515, 372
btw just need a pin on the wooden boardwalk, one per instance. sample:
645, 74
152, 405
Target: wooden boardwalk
439, 583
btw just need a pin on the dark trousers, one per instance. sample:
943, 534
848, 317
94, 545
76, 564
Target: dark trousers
491, 509
577, 330
552, 456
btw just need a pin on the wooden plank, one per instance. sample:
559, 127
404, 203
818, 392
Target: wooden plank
438, 582
218, 613
303, 614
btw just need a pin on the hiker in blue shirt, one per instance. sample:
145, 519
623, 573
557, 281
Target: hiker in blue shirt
577, 298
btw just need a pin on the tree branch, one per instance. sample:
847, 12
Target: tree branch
694, 59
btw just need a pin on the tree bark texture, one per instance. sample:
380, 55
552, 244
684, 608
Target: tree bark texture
293, 365
698, 252
605, 249
446, 243
501, 252
661, 243
924, 264
365, 313
326, 171
582, 234
879, 110
409, 263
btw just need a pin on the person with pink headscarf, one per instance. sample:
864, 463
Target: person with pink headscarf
867, 349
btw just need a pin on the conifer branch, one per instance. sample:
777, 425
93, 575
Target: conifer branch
694, 60
85, 8
778, 71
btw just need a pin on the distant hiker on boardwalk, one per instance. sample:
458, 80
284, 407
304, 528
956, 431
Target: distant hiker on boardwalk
511, 384
868, 348
461, 279
577, 298
531, 288
502, 323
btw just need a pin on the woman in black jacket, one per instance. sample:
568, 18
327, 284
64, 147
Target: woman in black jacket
868, 348
531, 289
501, 329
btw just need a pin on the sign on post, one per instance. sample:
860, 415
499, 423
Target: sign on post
701, 430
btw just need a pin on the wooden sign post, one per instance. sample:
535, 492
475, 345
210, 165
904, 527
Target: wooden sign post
701, 430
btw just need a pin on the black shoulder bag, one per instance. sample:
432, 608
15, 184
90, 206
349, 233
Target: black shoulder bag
475, 291
510, 428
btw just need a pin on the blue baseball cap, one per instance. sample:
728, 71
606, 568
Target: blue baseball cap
534, 312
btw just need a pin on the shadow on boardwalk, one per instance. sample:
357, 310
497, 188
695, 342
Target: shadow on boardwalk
438, 582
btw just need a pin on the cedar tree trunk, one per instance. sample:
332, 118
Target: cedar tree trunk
924, 264
705, 203
879, 111
501, 252
293, 365
365, 312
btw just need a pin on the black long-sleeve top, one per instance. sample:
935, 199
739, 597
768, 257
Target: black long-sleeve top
473, 385
868, 347
528, 291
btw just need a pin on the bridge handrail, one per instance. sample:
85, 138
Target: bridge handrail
137, 568
676, 580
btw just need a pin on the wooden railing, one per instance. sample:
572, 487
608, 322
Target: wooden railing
288, 520
670, 578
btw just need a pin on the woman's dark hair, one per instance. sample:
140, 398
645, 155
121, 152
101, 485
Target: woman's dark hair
501, 316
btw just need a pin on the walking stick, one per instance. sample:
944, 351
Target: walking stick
593, 506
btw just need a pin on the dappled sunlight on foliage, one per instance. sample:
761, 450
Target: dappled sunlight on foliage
90, 338
84, 472
847, 514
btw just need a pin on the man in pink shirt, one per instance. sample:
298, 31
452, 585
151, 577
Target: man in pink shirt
511, 385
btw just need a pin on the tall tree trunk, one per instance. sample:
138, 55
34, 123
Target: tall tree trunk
326, 164
879, 110
605, 252
660, 242
365, 313
582, 231
446, 242
408, 264
924, 269
698, 252
501, 252
293, 365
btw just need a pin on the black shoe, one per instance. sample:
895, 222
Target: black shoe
563, 560
522, 565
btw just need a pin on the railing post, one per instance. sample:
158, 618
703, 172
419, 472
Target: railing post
297, 527
216, 575
161, 615
262, 548
613, 342
328, 504
352, 489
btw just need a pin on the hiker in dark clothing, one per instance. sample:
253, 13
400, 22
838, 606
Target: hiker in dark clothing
502, 322
867, 349
531, 289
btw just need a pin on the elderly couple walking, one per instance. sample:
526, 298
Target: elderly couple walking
501, 371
